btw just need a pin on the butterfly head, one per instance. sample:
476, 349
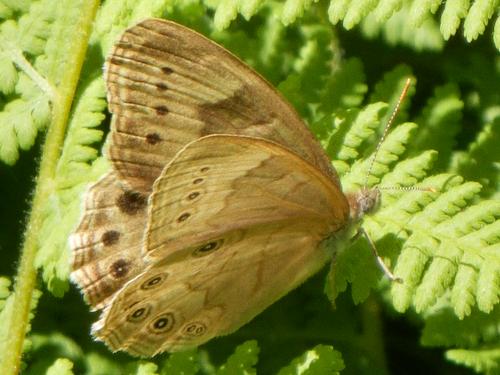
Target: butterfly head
362, 202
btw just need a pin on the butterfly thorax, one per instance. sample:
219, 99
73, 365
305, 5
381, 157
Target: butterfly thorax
362, 202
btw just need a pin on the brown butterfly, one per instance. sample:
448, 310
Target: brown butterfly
219, 201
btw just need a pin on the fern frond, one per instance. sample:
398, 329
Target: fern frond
473, 340
61, 366
227, 10
480, 161
344, 88
441, 118
412, 23
446, 239
146, 368
243, 360
478, 17
453, 256
486, 360
350, 132
26, 92
8, 8
388, 90
185, 362
322, 359
7, 309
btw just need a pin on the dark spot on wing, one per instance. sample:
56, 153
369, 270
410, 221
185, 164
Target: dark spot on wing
110, 237
131, 202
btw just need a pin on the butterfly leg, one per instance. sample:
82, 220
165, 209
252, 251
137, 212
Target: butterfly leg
380, 262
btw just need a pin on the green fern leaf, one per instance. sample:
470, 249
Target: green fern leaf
454, 12
420, 9
442, 117
7, 308
337, 10
356, 13
61, 366
410, 23
479, 14
293, 9
8, 75
181, 363
146, 368
344, 88
227, 10
479, 162
242, 361
485, 360
474, 339
322, 359
496, 33
439, 235
63, 209
250, 7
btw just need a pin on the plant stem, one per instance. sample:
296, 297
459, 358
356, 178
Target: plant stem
373, 335
26, 273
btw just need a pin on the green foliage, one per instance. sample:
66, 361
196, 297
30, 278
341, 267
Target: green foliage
7, 309
442, 240
320, 360
413, 23
242, 361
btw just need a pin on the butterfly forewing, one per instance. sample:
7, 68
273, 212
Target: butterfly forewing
168, 85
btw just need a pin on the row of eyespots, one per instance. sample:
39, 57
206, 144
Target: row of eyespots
165, 322
192, 195
129, 203
118, 59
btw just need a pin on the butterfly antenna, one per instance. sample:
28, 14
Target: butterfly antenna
387, 126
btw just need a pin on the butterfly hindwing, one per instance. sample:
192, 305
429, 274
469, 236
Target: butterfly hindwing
214, 294
106, 246
224, 182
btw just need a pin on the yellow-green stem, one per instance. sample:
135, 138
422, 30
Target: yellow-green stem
372, 339
26, 273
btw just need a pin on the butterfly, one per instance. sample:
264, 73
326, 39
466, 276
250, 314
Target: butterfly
219, 201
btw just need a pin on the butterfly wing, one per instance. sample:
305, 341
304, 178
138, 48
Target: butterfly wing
253, 234
196, 300
106, 246
222, 182
168, 85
